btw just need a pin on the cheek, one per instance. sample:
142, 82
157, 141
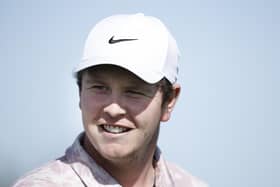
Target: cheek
89, 107
150, 117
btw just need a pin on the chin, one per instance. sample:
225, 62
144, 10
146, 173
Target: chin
117, 153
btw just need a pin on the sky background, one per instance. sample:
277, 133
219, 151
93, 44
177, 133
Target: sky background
226, 126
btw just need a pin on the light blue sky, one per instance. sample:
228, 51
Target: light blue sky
225, 128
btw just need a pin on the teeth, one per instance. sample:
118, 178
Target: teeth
114, 129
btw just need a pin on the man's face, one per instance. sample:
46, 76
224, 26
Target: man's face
121, 113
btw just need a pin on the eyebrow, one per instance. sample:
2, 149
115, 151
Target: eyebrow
93, 77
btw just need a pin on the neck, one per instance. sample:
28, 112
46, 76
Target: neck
133, 172
139, 175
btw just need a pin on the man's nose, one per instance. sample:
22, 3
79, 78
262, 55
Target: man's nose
114, 109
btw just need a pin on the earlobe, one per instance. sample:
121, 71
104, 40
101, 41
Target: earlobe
167, 110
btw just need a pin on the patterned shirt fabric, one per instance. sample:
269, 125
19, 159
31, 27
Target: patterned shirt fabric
77, 168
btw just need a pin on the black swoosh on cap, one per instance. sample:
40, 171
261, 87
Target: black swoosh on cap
113, 41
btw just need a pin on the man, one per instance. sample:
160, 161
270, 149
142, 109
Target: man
127, 86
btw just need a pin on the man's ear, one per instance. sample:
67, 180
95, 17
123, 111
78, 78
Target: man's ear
169, 106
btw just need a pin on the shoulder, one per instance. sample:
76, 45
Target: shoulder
182, 177
52, 173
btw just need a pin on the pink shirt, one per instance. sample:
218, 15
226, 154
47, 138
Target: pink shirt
77, 168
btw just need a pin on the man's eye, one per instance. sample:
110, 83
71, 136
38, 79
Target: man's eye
135, 93
99, 87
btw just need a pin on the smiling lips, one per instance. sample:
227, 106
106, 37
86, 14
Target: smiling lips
115, 129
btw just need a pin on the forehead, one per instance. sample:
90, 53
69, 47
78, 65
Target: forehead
112, 72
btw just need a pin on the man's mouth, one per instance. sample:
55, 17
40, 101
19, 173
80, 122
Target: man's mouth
115, 129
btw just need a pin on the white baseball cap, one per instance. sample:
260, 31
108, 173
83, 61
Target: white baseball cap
141, 44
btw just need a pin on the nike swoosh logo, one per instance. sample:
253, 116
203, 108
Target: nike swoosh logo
113, 41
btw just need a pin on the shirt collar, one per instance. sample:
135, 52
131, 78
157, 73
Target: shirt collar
90, 172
